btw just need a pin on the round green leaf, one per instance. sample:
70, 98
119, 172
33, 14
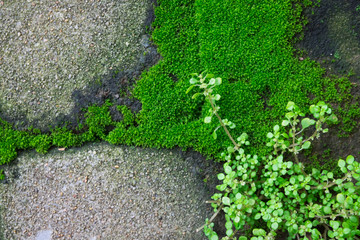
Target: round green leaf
341, 163
327, 210
340, 198
228, 170
276, 128
226, 200
295, 226
330, 175
230, 149
221, 176
290, 106
229, 232
306, 145
259, 232
307, 122
349, 201
314, 109
350, 160
217, 81
269, 135
207, 119
347, 230
354, 219
193, 81
228, 225
334, 224
289, 115
214, 237
332, 118
274, 225
285, 123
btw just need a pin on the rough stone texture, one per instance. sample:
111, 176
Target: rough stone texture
102, 191
57, 57
52, 52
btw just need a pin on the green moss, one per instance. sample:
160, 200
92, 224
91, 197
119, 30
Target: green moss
128, 116
63, 137
348, 113
98, 118
323, 163
246, 43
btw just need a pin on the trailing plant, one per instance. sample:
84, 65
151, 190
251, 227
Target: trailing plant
275, 189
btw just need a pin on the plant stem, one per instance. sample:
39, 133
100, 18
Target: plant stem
293, 145
326, 230
329, 216
211, 219
294, 150
237, 146
331, 184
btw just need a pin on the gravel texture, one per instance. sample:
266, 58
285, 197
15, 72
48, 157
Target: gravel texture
51, 51
101, 191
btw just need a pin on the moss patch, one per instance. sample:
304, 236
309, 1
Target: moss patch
249, 45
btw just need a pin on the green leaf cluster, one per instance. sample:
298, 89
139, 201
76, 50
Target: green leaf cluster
275, 188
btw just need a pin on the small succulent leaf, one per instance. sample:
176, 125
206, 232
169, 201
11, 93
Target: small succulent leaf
193, 80
189, 89
207, 119
214, 237
314, 109
217, 81
289, 115
334, 224
321, 104
340, 198
285, 123
209, 76
307, 122
274, 225
290, 106
349, 159
196, 95
332, 118
276, 128
228, 225
270, 135
259, 232
214, 135
226, 201
228, 169
327, 210
221, 176
306, 145
341, 163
